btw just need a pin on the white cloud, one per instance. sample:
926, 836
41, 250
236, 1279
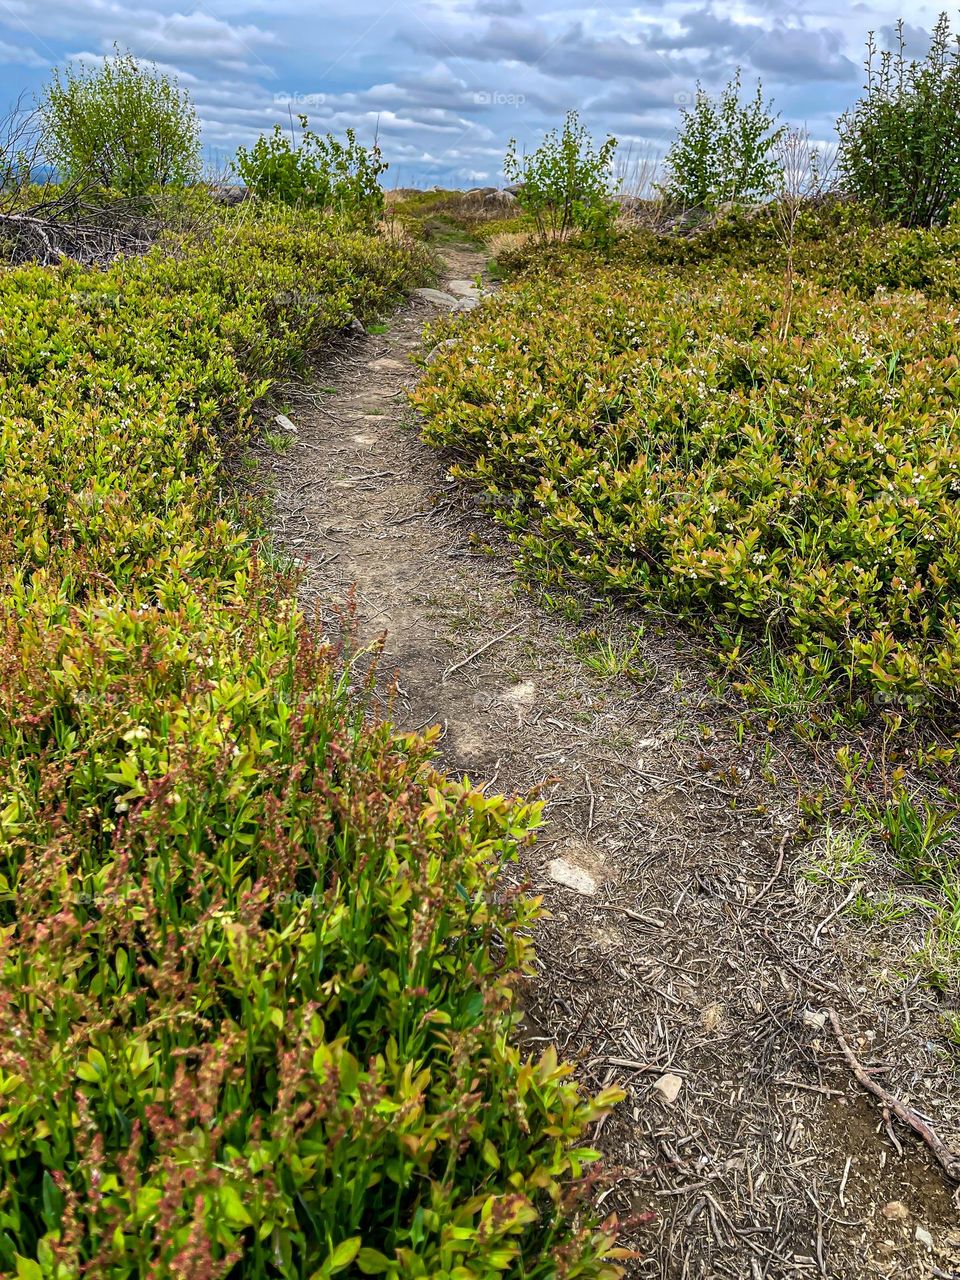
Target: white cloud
447, 82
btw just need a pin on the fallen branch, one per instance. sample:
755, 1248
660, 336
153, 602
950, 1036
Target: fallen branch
948, 1159
762, 893
477, 652
48, 240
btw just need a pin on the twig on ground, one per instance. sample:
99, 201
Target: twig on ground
835, 912
774, 878
948, 1159
477, 652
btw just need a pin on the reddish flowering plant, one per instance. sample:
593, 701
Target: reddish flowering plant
254, 970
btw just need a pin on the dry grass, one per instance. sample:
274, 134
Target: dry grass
503, 242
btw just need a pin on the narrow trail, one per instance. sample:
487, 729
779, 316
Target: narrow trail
681, 941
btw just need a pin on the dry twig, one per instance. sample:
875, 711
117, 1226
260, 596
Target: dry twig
948, 1159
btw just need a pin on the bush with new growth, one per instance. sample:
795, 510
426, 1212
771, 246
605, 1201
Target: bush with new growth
646, 428
255, 973
900, 144
566, 184
320, 173
124, 127
724, 152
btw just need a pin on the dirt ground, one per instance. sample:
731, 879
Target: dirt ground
685, 956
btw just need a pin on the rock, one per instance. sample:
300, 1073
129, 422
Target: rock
463, 288
228, 193
284, 422
711, 1017
923, 1236
522, 697
437, 296
466, 304
571, 876
814, 1019
385, 365
668, 1087
355, 326
501, 198
895, 1211
437, 351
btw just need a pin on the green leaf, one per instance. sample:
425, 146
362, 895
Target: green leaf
343, 1255
490, 1154
233, 1207
372, 1263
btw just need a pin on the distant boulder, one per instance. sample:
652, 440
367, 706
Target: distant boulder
502, 198
228, 193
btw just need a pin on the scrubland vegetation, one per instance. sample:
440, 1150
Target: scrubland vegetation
749, 419
256, 973
255, 976
648, 428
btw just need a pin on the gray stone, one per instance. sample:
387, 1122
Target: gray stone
463, 288
440, 348
668, 1087
386, 365
572, 876
437, 296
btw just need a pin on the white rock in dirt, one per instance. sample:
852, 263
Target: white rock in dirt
463, 288
571, 876
466, 304
386, 365
923, 1236
895, 1211
814, 1019
284, 422
711, 1017
522, 696
437, 296
668, 1087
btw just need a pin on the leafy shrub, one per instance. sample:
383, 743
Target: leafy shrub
900, 144
254, 969
318, 173
724, 151
647, 430
122, 126
566, 184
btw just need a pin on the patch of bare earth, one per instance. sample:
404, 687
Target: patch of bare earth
685, 956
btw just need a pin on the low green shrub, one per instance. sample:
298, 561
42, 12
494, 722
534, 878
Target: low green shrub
647, 430
255, 966
341, 178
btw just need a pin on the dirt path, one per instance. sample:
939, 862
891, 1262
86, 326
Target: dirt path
681, 942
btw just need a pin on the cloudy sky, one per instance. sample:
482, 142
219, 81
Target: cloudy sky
447, 82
